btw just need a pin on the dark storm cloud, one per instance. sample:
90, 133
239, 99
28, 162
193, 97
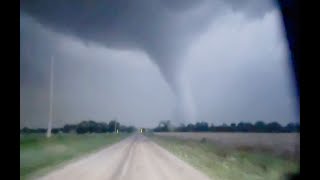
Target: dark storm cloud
89, 81
103, 69
163, 29
33, 51
252, 8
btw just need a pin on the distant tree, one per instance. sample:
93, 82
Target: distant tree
127, 129
98, 128
164, 126
212, 128
233, 127
25, 130
274, 127
69, 128
55, 130
112, 125
226, 128
104, 127
245, 127
41, 130
29, 130
181, 128
297, 127
190, 127
201, 126
82, 127
93, 127
260, 127
292, 127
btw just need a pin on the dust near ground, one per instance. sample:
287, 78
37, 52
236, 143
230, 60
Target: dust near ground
134, 158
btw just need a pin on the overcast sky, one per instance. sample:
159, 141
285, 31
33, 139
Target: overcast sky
149, 60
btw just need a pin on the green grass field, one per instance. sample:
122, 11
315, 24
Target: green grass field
39, 155
219, 163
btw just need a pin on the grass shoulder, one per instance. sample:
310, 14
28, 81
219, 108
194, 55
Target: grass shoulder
39, 154
227, 164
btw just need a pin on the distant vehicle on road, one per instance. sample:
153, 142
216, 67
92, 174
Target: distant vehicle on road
142, 130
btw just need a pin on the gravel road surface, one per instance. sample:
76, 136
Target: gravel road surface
135, 158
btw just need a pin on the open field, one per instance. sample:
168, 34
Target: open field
39, 155
219, 162
282, 144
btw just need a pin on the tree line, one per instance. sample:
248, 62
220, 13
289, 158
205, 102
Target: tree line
259, 126
85, 127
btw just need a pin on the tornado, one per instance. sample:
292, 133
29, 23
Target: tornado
163, 29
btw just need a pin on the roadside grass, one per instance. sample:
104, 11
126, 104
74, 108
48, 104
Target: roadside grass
38, 155
231, 164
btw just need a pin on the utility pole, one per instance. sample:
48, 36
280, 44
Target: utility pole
51, 100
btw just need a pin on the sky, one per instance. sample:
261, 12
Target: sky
144, 61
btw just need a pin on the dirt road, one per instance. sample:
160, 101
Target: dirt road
135, 158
